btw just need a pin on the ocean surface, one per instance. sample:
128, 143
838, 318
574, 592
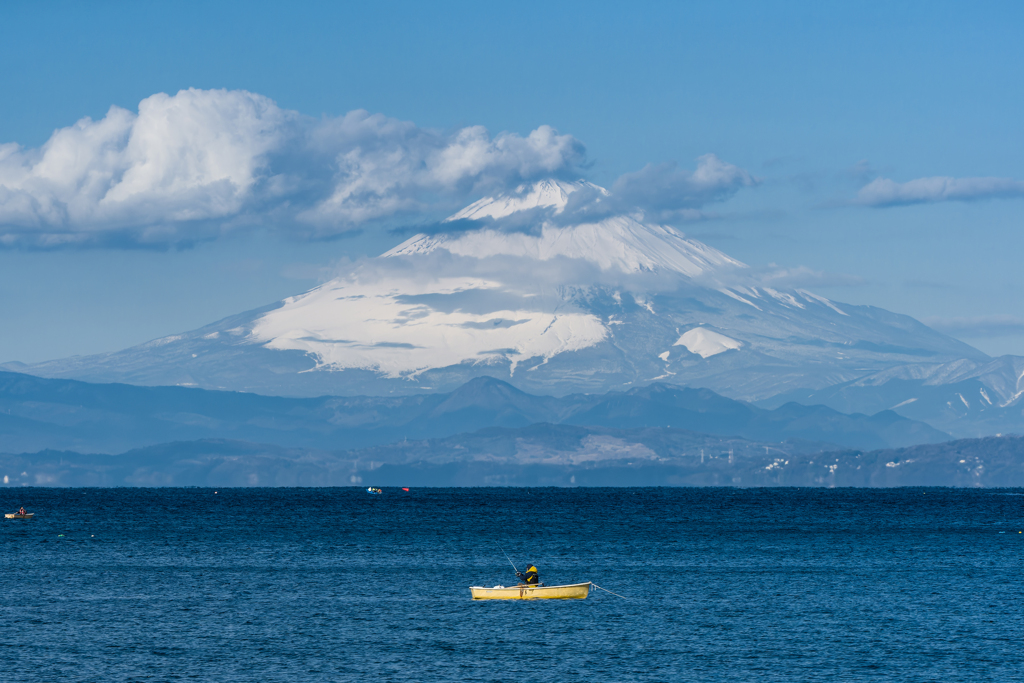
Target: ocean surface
338, 585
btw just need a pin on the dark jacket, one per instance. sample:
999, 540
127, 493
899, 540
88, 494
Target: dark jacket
531, 577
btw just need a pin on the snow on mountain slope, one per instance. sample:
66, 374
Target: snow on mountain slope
547, 296
348, 324
621, 243
706, 343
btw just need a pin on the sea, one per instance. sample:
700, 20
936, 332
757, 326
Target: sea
335, 584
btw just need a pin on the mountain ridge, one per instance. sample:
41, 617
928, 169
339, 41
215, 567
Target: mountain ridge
40, 413
539, 455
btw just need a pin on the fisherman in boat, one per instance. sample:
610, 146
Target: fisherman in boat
21, 511
531, 577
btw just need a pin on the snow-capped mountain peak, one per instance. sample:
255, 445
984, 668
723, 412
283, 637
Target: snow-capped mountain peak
420, 319
619, 242
544, 193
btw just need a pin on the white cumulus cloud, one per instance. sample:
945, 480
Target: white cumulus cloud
383, 166
187, 166
884, 192
192, 157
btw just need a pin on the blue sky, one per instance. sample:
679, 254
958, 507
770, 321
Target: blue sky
884, 141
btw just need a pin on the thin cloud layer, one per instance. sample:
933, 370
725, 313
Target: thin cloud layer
666, 192
978, 326
883, 192
659, 193
190, 166
802, 277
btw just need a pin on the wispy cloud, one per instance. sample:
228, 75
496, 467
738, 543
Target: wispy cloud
666, 192
533, 275
802, 277
978, 326
662, 193
189, 166
658, 193
929, 284
883, 192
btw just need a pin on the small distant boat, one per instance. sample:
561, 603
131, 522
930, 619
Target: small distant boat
574, 591
15, 515
374, 491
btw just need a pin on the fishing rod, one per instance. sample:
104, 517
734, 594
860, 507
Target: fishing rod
508, 558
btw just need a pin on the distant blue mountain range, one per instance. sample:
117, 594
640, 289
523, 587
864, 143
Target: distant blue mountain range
538, 455
37, 413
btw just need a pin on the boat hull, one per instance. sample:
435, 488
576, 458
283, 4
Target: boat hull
15, 515
576, 591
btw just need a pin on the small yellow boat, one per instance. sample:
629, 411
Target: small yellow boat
575, 591
15, 515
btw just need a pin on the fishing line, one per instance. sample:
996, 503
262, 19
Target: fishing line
608, 591
508, 558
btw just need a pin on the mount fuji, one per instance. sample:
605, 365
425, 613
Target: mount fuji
554, 289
